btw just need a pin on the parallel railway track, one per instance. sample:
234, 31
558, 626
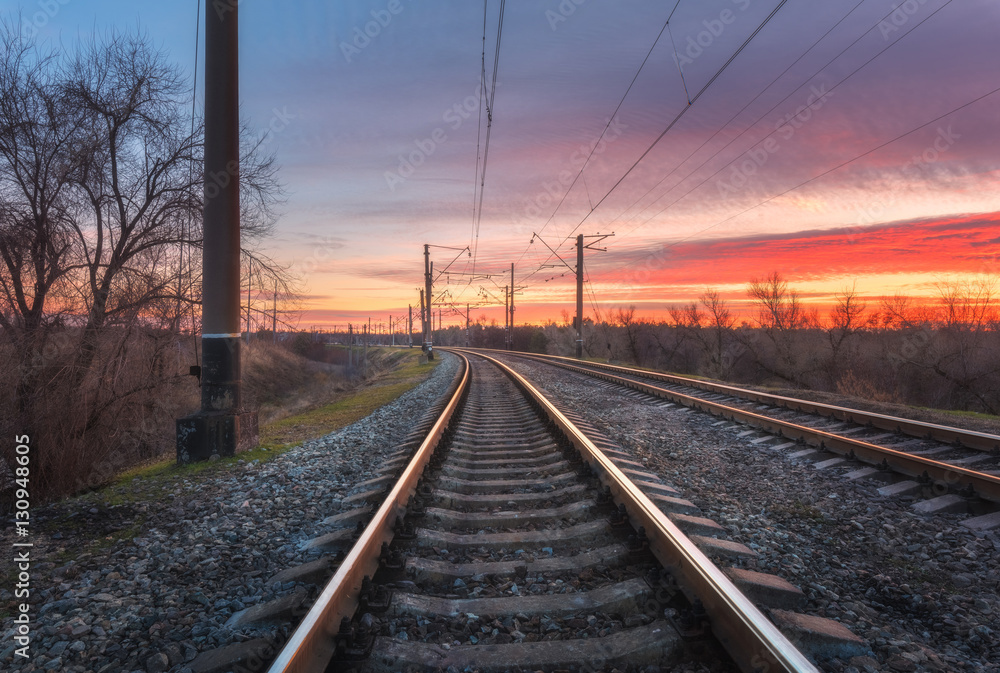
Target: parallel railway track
936, 458
512, 542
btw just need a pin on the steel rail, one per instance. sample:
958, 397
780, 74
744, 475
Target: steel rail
950, 476
970, 439
313, 643
750, 638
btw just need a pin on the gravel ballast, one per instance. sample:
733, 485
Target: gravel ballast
152, 603
922, 590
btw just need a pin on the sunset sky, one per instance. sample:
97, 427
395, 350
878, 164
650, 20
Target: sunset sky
889, 180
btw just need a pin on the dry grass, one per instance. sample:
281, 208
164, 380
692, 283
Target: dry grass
89, 424
856, 385
399, 372
86, 424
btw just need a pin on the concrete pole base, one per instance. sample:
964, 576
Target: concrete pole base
215, 434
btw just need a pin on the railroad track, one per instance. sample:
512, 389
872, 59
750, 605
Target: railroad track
956, 470
512, 542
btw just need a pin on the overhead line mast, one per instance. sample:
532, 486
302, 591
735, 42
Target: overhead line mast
222, 427
580, 247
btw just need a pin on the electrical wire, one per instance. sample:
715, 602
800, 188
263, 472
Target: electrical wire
827, 171
673, 122
607, 125
184, 231
677, 118
490, 107
788, 121
743, 109
474, 238
603, 132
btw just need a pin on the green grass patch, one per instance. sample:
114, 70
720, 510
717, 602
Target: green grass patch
156, 479
978, 415
351, 408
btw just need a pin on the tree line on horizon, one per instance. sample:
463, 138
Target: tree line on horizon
943, 353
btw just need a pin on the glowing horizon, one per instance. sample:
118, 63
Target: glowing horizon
847, 143
910, 258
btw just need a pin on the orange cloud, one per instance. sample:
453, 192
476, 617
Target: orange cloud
957, 244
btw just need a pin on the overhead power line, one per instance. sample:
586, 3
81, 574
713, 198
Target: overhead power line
744, 108
829, 170
676, 119
788, 121
490, 107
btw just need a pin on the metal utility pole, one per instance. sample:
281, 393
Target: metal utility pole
249, 292
511, 340
579, 284
409, 332
222, 427
350, 345
506, 316
428, 286
579, 297
423, 320
468, 335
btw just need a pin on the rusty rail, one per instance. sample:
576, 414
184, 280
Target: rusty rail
750, 638
970, 439
930, 471
312, 644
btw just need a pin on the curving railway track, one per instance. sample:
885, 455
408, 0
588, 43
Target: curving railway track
512, 542
956, 470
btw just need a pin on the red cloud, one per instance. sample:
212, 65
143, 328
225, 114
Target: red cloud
957, 244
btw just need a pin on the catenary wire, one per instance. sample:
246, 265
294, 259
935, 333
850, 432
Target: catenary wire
670, 125
788, 121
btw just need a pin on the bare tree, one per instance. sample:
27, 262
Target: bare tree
137, 184
101, 187
272, 295
687, 316
970, 305
37, 158
846, 319
673, 342
142, 183
625, 318
779, 308
964, 352
779, 314
720, 327
895, 312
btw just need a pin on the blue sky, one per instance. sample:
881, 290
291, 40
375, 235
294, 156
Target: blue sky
349, 112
